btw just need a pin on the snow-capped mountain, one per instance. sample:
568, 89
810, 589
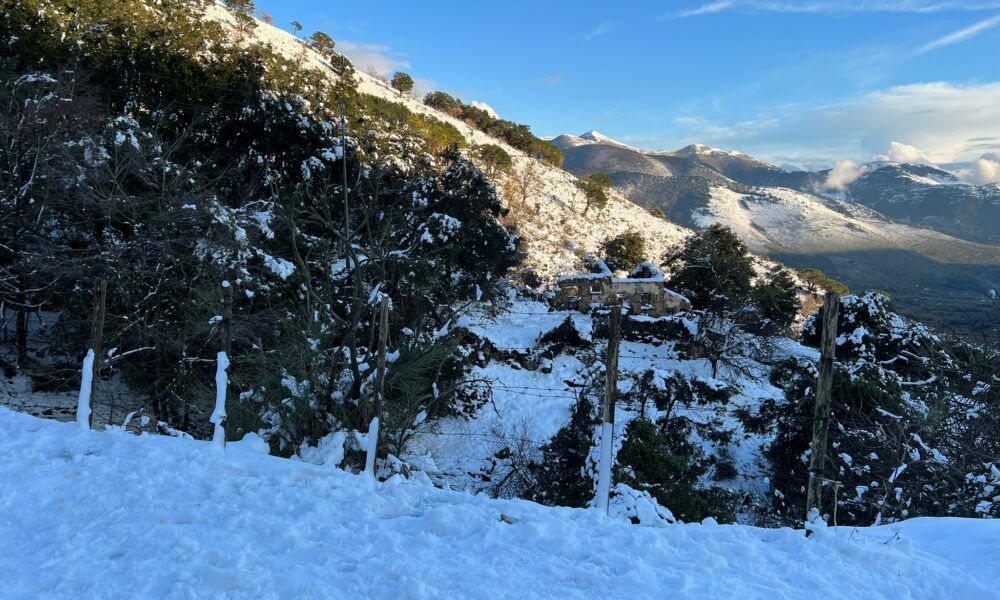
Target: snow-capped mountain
913, 230
930, 197
588, 155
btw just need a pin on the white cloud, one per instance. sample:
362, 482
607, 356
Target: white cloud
373, 57
836, 6
961, 35
422, 86
948, 122
486, 107
980, 171
705, 9
903, 153
598, 31
843, 173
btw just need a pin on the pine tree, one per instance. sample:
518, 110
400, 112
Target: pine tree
322, 43
402, 82
243, 13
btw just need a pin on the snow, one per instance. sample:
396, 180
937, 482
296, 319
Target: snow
604, 470
602, 272
86, 384
279, 266
109, 514
218, 417
775, 220
371, 447
596, 137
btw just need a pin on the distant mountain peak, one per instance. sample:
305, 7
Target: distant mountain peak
703, 150
599, 138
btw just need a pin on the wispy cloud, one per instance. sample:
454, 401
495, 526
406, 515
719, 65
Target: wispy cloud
835, 6
961, 35
552, 80
373, 57
598, 31
938, 118
705, 9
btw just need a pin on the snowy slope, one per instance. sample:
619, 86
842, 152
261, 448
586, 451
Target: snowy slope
556, 230
112, 515
775, 220
532, 402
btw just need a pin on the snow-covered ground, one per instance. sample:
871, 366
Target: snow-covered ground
532, 404
113, 515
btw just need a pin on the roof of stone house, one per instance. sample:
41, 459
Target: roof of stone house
603, 273
656, 276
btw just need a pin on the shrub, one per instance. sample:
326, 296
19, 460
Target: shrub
560, 473
494, 159
625, 251
817, 279
443, 102
546, 152
659, 459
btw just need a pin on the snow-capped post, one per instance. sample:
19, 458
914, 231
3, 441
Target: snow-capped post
383, 333
91, 364
821, 416
222, 367
608, 411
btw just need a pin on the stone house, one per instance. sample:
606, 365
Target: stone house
644, 289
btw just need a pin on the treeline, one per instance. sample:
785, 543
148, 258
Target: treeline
147, 146
514, 134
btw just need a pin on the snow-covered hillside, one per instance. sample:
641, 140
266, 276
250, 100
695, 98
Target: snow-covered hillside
532, 396
774, 220
112, 515
553, 223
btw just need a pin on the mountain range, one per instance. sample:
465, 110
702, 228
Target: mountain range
914, 231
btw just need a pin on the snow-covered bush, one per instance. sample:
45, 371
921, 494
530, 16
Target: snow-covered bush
914, 422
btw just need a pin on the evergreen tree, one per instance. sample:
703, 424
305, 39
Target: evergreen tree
713, 270
243, 13
402, 82
495, 160
322, 43
624, 252
594, 188
561, 471
444, 102
776, 302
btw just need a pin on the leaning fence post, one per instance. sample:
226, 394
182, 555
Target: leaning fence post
821, 415
91, 363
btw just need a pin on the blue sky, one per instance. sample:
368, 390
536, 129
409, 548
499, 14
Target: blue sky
810, 81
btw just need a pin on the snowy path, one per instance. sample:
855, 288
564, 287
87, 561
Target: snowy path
91, 515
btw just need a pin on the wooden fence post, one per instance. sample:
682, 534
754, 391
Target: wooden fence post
92, 363
373, 428
222, 367
821, 415
608, 411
